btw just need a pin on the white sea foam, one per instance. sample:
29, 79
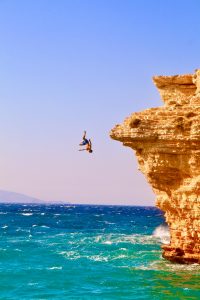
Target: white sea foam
163, 265
55, 268
98, 258
52, 244
106, 222
33, 283
60, 234
5, 226
22, 230
120, 256
116, 238
122, 238
69, 206
183, 267
107, 243
27, 214
162, 233
72, 255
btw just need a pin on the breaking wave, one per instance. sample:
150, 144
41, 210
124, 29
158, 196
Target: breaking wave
162, 233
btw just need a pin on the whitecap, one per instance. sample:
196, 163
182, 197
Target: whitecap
98, 258
102, 258
5, 226
118, 257
60, 234
55, 268
27, 214
72, 255
107, 243
22, 230
63, 252
32, 283
106, 222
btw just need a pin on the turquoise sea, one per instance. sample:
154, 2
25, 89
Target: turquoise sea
89, 252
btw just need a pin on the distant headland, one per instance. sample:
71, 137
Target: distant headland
12, 197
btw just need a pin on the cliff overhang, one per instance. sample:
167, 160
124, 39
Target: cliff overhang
166, 141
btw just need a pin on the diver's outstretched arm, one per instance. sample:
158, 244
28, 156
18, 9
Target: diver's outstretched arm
81, 149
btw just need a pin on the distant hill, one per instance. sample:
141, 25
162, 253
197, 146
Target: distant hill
11, 197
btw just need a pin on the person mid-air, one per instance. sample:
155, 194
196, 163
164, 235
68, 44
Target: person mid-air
86, 143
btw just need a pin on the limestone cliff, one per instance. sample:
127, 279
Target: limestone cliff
166, 140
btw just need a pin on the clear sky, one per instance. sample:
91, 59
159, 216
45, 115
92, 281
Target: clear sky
70, 65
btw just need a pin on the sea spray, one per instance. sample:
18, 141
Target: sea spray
162, 232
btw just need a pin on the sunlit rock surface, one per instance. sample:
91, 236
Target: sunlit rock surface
166, 141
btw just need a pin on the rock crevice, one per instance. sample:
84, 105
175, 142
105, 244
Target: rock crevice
166, 141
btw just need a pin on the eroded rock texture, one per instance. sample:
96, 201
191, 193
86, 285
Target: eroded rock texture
167, 144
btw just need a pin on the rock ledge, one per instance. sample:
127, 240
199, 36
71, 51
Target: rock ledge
166, 141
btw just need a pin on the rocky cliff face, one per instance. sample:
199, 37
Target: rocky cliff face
166, 141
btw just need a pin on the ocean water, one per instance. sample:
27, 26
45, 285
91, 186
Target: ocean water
89, 252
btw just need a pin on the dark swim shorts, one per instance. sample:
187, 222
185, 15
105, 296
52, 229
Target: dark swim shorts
85, 142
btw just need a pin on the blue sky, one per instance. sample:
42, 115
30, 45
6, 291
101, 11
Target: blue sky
71, 65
